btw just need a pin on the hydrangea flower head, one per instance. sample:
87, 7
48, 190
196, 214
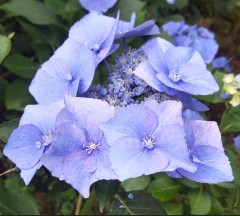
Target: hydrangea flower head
80, 151
96, 32
32, 138
127, 30
98, 5
140, 140
69, 70
206, 151
199, 38
171, 68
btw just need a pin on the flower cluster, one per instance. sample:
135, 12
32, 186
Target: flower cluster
231, 88
199, 38
136, 123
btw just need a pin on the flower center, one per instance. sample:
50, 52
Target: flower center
148, 142
96, 47
69, 77
91, 147
47, 140
174, 76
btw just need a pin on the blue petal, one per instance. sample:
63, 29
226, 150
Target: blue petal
75, 173
155, 49
148, 74
192, 115
89, 110
124, 27
22, 148
147, 28
172, 27
220, 62
207, 48
195, 80
42, 116
168, 112
206, 133
28, 174
96, 5
106, 46
174, 174
171, 140
131, 159
133, 120
80, 61
176, 57
93, 29
213, 166
67, 137
52, 82
190, 103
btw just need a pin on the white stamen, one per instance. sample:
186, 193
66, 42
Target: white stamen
194, 159
39, 144
69, 77
174, 76
47, 138
91, 147
96, 47
148, 142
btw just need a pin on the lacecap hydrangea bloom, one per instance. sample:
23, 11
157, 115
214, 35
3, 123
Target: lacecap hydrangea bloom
199, 38
140, 121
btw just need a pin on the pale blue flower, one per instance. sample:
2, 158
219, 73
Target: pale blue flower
32, 138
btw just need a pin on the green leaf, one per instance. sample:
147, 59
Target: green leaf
5, 47
200, 202
13, 203
17, 95
34, 11
138, 202
6, 128
227, 185
189, 183
173, 208
214, 98
179, 4
230, 121
21, 66
139, 183
56, 6
163, 188
127, 8
216, 207
105, 190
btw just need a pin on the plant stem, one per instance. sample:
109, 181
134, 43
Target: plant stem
78, 207
236, 201
8, 171
86, 210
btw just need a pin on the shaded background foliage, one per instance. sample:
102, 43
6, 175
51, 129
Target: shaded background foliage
31, 30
